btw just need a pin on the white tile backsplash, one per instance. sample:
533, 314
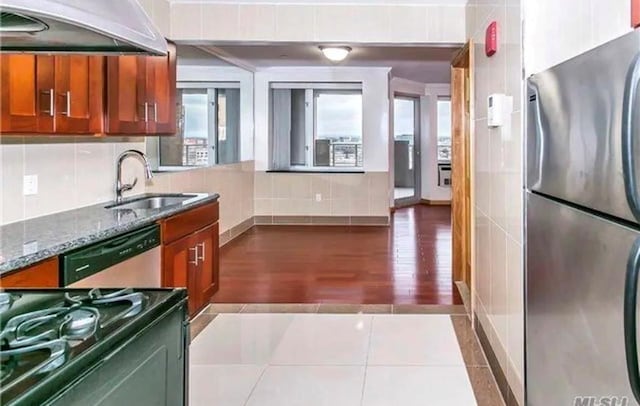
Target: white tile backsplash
72, 172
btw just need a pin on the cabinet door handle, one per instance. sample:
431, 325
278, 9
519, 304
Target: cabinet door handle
67, 96
51, 94
202, 246
155, 111
146, 112
195, 256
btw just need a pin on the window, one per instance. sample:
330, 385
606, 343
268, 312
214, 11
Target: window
316, 126
208, 127
404, 123
444, 129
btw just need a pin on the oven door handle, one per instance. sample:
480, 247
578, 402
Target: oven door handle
627, 145
630, 319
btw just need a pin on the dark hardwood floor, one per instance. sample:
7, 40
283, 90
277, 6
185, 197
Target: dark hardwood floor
406, 263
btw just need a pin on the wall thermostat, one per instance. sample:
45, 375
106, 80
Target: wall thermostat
497, 105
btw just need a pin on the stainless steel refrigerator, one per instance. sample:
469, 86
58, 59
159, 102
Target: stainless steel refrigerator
583, 228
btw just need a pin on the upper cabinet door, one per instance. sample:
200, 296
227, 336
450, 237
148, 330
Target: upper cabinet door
28, 98
161, 93
79, 94
127, 108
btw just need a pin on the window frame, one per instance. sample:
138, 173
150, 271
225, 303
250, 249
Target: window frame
312, 89
212, 90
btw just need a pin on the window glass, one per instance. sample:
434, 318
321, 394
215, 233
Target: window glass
404, 125
208, 130
444, 130
338, 132
316, 128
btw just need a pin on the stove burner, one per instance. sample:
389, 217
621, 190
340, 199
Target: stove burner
6, 300
95, 297
80, 323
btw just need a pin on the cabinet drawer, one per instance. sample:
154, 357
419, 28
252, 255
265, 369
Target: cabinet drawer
189, 222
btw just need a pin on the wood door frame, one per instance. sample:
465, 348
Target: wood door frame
462, 173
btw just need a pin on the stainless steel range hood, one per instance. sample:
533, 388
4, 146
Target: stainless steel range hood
78, 26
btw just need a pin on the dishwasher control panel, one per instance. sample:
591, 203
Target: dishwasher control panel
95, 258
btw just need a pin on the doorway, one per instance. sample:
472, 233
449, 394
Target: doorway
461, 113
406, 149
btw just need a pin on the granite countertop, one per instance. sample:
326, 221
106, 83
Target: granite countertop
26, 242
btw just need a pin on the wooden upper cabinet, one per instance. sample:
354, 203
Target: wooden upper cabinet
126, 85
88, 94
79, 85
28, 100
60, 94
141, 94
161, 93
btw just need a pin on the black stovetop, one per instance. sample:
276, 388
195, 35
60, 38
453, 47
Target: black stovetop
47, 334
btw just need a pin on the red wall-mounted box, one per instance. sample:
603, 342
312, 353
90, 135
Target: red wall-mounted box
491, 39
635, 13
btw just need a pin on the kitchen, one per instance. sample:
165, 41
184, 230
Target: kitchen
67, 135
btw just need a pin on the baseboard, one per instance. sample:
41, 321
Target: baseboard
429, 202
237, 231
501, 377
323, 220
249, 223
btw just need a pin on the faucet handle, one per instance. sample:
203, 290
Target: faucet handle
129, 186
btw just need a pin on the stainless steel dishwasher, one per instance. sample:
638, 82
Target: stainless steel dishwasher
129, 260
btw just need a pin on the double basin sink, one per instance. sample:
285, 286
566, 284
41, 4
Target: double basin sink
157, 201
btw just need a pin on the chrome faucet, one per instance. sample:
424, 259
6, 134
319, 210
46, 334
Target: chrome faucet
120, 187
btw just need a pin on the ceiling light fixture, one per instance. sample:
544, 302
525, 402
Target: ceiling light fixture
335, 53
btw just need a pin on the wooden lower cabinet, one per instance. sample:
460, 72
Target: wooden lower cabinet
206, 274
42, 275
192, 262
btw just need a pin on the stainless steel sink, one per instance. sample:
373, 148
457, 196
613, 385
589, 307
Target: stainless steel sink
154, 202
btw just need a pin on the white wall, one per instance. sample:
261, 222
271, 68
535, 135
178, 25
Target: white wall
558, 30
375, 110
190, 73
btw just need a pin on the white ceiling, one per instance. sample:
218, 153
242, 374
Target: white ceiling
423, 64
191, 55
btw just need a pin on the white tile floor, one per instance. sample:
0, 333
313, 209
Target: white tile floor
327, 359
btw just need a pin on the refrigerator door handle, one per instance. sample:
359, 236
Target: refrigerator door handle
630, 319
628, 161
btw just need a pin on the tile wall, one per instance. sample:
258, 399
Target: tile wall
72, 172
558, 30
341, 194
497, 163
79, 172
234, 183
317, 22
554, 32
